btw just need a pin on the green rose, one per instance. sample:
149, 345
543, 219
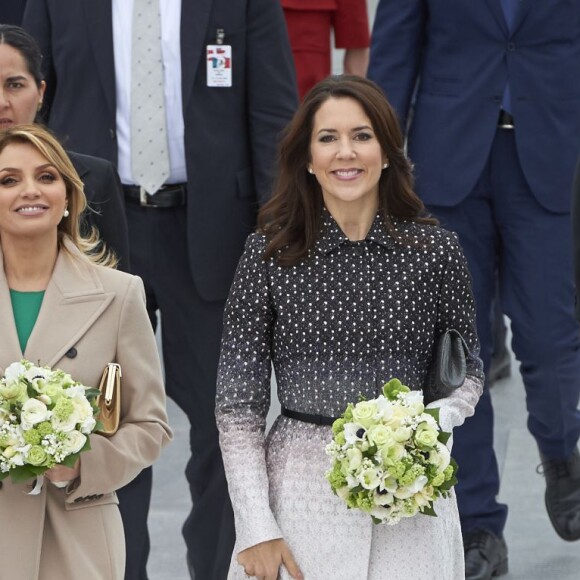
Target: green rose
402, 434
380, 435
36, 455
364, 412
426, 436
393, 454
12, 390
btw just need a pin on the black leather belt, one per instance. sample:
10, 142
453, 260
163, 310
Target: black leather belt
173, 195
505, 121
307, 418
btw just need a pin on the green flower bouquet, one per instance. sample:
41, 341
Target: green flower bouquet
45, 420
389, 456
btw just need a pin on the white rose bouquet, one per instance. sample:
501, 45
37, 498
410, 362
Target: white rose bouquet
45, 420
390, 457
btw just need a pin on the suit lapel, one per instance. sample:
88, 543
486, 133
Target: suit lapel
522, 12
194, 21
497, 10
74, 299
99, 17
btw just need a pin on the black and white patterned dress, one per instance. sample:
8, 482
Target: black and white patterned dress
348, 318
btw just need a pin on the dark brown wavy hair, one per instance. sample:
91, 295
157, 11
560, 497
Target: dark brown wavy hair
291, 218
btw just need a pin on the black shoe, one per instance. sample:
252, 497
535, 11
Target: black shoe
563, 495
500, 366
485, 555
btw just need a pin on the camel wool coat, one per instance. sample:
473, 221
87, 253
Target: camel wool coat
90, 316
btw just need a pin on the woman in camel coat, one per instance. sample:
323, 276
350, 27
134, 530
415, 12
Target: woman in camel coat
90, 315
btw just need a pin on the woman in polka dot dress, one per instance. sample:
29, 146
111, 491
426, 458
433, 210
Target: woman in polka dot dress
347, 284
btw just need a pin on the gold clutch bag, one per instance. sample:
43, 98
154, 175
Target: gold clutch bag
109, 401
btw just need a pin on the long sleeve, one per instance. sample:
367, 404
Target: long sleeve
243, 396
107, 213
456, 310
113, 462
272, 95
397, 50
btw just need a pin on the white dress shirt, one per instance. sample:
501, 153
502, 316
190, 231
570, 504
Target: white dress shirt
171, 51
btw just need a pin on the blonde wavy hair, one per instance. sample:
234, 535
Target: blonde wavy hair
91, 246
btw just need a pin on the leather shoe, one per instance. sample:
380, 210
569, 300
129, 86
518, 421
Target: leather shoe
485, 555
563, 494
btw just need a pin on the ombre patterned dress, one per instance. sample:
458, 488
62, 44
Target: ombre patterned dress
345, 320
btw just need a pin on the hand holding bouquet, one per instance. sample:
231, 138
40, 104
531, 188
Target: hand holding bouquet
45, 420
390, 457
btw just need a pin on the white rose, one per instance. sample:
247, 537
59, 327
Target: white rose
14, 370
88, 425
364, 413
34, 412
64, 425
82, 409
74, 442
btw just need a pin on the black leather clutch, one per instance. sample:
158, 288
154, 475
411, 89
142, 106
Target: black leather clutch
448, 366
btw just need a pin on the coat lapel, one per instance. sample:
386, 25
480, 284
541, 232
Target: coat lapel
99, 17
74, 299
194, 21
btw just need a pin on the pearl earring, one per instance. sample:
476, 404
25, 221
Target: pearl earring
385, 165
66, 213
311, 171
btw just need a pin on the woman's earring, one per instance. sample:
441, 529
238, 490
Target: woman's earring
311, 171
66, 212
385, 165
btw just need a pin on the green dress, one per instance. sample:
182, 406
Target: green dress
25, 306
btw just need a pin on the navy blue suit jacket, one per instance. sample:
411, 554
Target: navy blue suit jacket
448, 62
231, 134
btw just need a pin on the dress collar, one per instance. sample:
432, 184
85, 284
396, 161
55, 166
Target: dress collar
332, 237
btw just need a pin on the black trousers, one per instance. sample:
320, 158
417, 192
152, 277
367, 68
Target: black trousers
191, 334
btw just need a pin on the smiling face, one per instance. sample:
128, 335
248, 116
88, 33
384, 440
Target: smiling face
20, 96
346, 157
32, 195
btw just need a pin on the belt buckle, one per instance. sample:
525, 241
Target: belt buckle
144, 198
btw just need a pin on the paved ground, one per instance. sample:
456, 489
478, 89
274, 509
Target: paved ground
536, 553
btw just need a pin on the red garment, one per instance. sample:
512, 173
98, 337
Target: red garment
309, 25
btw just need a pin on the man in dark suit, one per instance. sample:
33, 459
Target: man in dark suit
186, 236
494, 136
11, 11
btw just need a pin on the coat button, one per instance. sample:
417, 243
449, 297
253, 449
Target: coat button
71, 352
